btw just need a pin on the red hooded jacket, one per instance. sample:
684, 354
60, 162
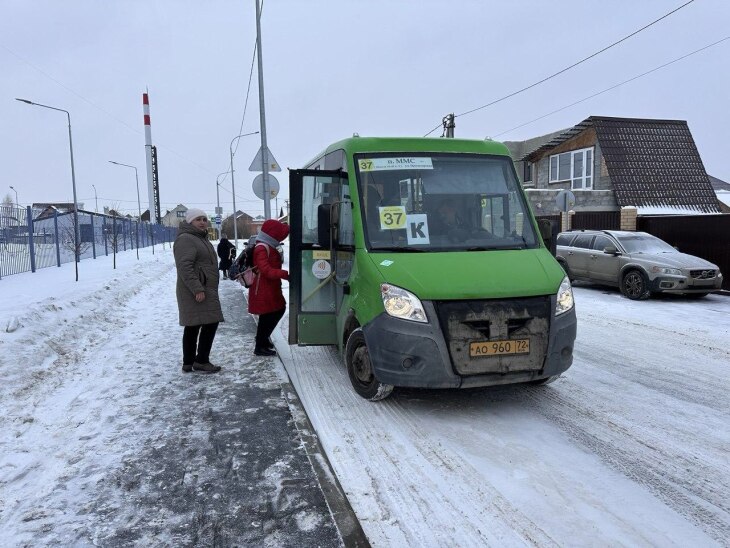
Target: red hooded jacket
265, 294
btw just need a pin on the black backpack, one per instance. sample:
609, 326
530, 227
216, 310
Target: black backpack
244, 259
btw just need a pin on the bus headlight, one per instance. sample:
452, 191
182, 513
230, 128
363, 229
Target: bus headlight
403, 304
565, 297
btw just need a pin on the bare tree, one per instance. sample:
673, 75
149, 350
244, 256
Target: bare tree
113, 231
68, 236
244, 224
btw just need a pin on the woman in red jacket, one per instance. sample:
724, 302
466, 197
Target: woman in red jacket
264, 296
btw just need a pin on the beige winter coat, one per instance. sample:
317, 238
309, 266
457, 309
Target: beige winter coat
197, 270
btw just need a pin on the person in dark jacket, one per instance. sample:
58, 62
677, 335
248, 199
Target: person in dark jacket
197, 291
226, 251
264, 296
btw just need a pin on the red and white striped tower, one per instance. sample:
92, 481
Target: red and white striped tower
148, 155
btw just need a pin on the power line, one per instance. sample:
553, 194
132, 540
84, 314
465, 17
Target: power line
615, 86
566, 68
248, 91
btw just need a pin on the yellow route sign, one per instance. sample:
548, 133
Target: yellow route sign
392, 217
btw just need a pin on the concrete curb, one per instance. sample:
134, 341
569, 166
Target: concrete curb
343, 514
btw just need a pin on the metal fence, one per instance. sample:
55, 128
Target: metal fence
596, 220
706, 236
32, 239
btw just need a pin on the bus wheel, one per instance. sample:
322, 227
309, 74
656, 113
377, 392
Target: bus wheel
360, 369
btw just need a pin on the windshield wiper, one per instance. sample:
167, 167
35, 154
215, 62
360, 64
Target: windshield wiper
507, 247
400, 248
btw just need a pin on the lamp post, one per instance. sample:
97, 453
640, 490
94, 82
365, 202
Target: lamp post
219, 211
139, 204
96, 200
16, 196
233, 186
77, 239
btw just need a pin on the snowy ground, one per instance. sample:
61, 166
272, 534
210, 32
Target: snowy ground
104, 441
631, 447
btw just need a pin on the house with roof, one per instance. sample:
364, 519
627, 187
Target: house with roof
172, 217
613, 163
722, 190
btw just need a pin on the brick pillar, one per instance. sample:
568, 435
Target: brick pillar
565, 221
628, 218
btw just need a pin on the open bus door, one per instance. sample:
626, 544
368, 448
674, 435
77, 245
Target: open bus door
316, 198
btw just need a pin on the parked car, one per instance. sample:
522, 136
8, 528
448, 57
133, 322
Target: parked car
638, 263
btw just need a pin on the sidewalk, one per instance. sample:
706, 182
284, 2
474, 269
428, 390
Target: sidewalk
242, 476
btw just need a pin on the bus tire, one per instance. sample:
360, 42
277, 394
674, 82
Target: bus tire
360, 371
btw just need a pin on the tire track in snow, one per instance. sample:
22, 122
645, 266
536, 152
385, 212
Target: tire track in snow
682, 460
417, 468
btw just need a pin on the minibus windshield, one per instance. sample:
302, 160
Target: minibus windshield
442, 202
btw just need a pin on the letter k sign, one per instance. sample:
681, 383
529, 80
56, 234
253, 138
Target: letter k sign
417, 228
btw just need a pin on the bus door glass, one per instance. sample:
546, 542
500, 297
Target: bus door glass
314, 196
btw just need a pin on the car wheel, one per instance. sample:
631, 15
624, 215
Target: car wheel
360, 370
634, 285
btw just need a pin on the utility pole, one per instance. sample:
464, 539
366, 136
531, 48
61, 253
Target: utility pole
262, 114
449, 126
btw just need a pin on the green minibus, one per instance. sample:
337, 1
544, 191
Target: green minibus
421, 260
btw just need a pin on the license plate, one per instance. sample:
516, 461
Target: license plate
499, 348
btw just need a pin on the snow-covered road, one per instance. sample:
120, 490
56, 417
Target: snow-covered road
630, 447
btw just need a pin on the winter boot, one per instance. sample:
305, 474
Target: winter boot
187, 367
206, 367
261, 351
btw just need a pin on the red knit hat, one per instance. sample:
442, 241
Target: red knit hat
275, 229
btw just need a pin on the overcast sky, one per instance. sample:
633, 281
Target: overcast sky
331, 68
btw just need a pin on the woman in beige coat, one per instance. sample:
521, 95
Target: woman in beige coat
197, 291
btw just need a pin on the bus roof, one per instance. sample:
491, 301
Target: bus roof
354, 145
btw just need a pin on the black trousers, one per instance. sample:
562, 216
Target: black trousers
197, 342
267, 323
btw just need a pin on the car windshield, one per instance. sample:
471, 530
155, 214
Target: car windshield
644, 243
442, 202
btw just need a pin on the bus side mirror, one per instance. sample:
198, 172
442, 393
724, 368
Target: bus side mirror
323, 225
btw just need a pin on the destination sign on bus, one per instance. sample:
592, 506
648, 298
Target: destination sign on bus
384, 164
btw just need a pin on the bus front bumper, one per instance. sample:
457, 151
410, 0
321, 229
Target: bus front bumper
412, 354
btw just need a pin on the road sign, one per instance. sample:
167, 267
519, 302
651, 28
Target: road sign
565, 200
217, 219
258, 186
270, 161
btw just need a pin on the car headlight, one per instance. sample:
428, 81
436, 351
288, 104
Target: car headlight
565, 297
664, 270
403, 304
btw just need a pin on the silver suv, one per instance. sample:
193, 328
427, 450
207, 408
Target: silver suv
636, 262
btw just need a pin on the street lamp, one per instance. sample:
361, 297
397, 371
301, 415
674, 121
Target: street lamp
96, 200
77, 239
233, 186
16, 196
218, 210
139, 205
